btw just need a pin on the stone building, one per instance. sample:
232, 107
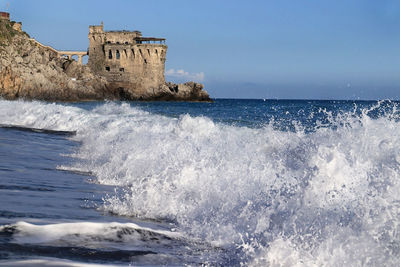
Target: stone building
129, 61
5, 16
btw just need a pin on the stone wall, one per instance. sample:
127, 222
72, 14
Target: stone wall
121, 37
141, 64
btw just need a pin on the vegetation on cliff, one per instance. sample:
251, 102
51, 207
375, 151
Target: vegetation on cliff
6, 32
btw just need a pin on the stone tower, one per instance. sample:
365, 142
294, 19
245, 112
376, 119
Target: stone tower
96, 48
130, 62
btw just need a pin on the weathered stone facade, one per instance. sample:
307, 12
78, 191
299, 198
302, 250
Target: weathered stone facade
130, 62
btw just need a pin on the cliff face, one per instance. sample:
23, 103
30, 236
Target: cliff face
30, 71
33, 72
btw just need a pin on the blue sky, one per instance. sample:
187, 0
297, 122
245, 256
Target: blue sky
304, 49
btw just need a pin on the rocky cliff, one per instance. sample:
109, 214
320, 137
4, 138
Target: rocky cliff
30, 71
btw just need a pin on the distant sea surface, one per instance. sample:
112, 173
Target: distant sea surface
229, 183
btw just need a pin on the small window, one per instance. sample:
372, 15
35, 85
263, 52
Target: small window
133, 52
109, 54
126, 43
117, 42
117, 55
148, 51
145, 61
122, 70
107, 68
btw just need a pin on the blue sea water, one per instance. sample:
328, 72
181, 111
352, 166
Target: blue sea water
229, 183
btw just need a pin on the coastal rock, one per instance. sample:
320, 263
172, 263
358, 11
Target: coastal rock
169, 91
31, 71
10, 83
188, 90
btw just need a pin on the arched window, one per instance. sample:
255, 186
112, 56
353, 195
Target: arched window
109, 54
117, 55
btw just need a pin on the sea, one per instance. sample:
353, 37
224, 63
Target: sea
229, 183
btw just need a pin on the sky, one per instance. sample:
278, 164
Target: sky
280, 49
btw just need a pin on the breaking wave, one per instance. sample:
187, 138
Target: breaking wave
329, 196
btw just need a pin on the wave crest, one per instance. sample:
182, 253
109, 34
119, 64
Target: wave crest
321, 197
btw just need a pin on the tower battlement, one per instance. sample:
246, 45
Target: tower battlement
96, 29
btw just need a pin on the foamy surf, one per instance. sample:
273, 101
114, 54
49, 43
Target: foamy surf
309, 197
88, 234
97, 242
50, 262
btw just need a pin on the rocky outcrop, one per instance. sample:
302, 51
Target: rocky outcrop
189, 91
183, 91
30, 71
33, 72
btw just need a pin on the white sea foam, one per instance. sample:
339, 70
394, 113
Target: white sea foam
122, 236
49, 262
329, 197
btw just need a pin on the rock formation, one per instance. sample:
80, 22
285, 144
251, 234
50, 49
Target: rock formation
31, 71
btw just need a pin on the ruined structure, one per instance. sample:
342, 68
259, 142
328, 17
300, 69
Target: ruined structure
130, 62
122, 65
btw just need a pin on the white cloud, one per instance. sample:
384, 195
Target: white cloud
181, 74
